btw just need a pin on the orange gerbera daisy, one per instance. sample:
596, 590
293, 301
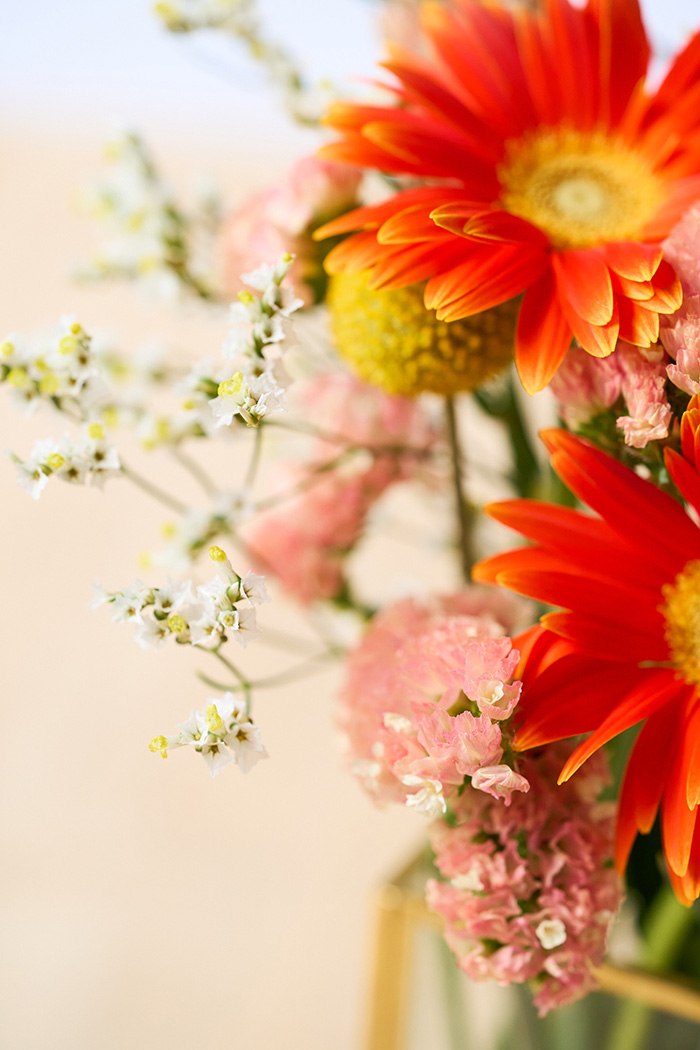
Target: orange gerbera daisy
544, 165
627, 648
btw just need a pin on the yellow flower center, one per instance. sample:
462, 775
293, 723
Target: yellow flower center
176, 624
214, 720
391, 340
159, 743
682, 614
580, 188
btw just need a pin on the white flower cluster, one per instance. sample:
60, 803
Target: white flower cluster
254, 345
221, 608
57, 367
152, 237
199, 527
184, 16
93, 460
239, 19
221, 732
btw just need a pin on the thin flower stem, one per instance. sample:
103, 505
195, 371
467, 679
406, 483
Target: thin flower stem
221, 686
334, 438
154, 491
198, 473
252, 471
465, 515
244, 684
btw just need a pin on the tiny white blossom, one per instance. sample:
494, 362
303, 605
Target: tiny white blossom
551, 933
429, 800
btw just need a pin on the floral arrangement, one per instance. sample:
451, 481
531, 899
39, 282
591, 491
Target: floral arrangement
513, 207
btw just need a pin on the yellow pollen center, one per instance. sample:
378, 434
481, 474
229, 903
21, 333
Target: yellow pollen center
214, 720
159, 743
580, 188
96, 432
68, 345
231, 387
176, 624
682, 614
55, 461
18, 378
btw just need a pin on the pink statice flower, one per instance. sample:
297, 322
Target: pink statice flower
530, 889
680, 332
281, 219
585, 386
371, 440
410, 704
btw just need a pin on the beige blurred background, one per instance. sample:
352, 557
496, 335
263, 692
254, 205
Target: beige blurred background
143, 903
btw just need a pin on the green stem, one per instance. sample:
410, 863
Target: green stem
504, 405
252, 471
465, 514
154, 491
200, 475
666, 929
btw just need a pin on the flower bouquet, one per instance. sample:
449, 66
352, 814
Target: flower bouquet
512, 206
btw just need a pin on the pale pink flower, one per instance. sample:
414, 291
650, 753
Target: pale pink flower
680, 332
586, 386
682, 249
282, 218
403, 705
643, 379
499, 781
305, 540
531, 888
680, 335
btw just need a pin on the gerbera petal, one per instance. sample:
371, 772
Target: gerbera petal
437, 151
597, 340
629, 504
444, 105
623, 52
543, 334
641, 793
583, 279
636, 262
607, 638
373, 215
570, 697
507, 273
580, 537
416, 263
656, 688
638, 325
678, 816
685, 477
355, 254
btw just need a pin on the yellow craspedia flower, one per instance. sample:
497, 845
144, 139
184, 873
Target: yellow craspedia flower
391, 340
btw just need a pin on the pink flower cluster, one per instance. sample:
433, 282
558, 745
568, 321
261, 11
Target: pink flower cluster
282, 218
586, 385
378, 440
425, 697
531, 888
680, 333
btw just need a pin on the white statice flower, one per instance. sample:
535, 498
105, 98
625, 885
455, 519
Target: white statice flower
221, 732
93, 460
129, 603
551, 933
151, 633
150, 236
253, 589
429, 800
55, 366
220, 609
